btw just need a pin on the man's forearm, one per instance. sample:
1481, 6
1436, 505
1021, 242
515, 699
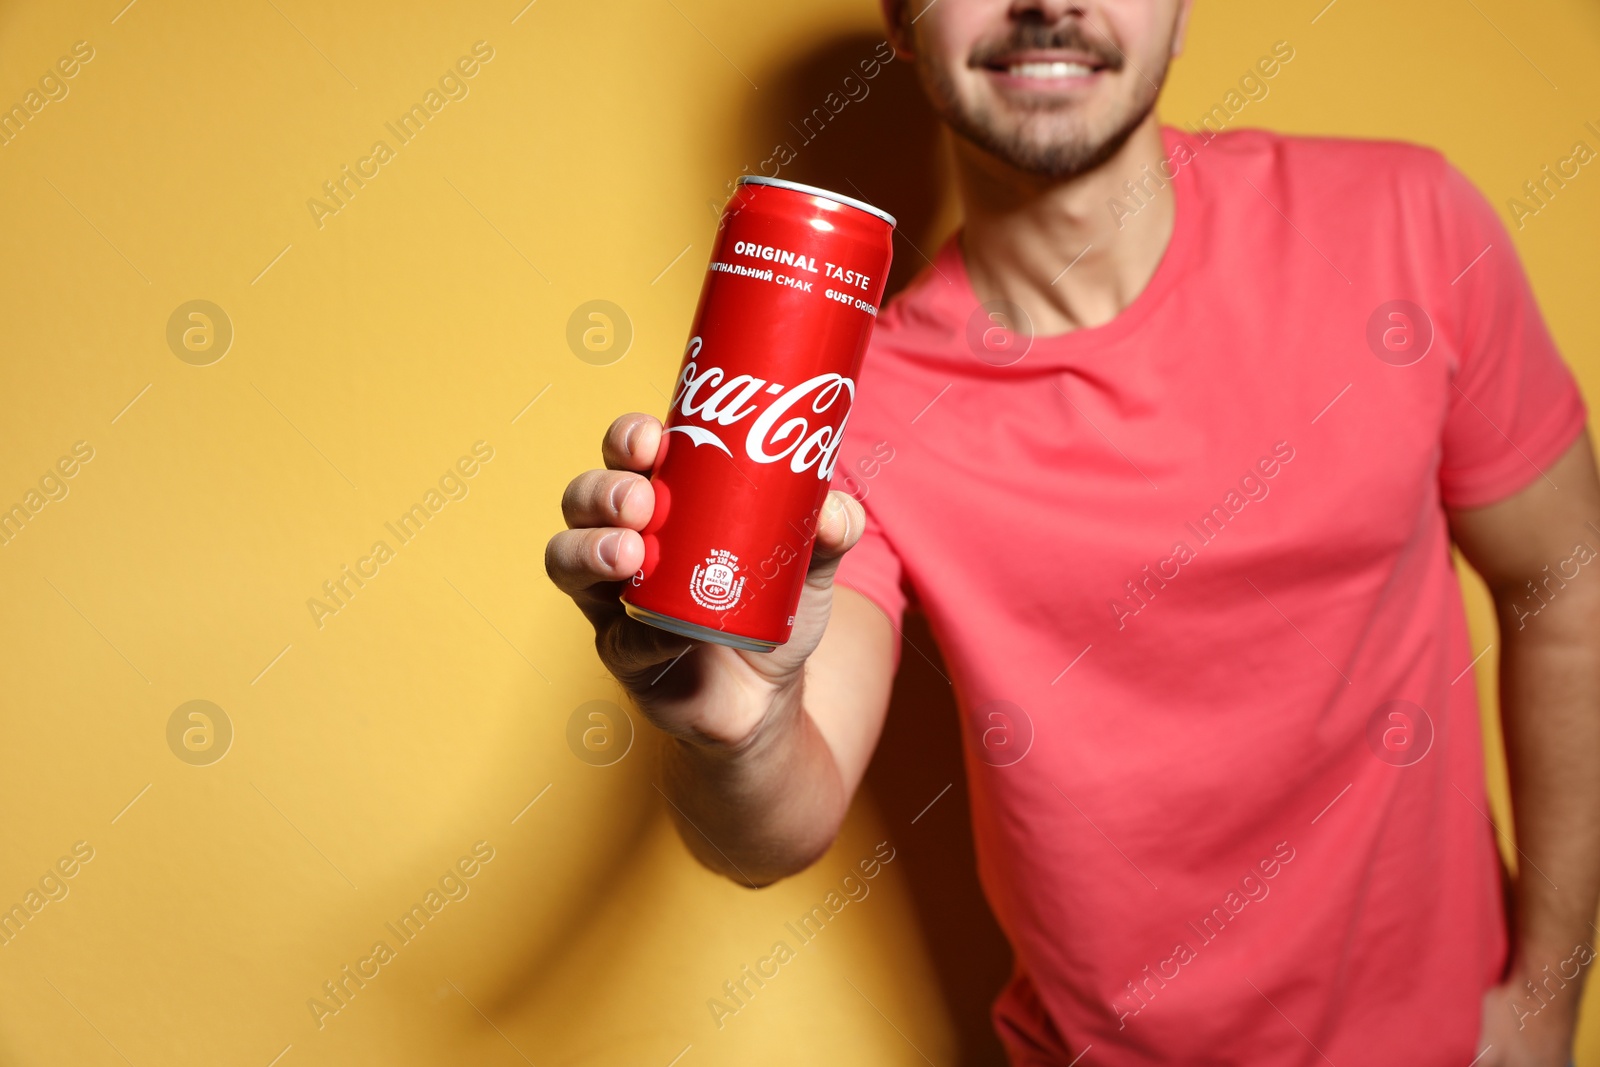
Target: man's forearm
1550, 711
763, 810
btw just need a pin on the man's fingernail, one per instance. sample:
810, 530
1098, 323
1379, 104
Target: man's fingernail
610, 548
627, 439
619, 494
838, 511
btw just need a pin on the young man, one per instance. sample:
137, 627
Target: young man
1171, 444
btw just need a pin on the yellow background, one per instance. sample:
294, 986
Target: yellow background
423, 317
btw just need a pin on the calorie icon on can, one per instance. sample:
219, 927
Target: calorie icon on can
758, 412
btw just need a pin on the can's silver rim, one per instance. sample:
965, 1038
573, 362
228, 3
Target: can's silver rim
860, 205
696, 631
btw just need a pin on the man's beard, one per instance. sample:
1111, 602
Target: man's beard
1064, 154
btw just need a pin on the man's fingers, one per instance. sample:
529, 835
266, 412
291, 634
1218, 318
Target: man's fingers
579, 559
631, 443
608, 498
840, 526
605, 509
637, 654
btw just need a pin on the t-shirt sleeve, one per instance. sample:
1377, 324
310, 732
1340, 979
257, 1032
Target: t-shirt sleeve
1514, 406
872, 568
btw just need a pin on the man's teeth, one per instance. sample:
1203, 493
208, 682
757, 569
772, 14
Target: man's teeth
1048, 70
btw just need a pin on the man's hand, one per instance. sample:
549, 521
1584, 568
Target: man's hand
769, 747
1520, 1030
717, 695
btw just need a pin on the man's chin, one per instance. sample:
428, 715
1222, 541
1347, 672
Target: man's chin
1048, 157
1049, 148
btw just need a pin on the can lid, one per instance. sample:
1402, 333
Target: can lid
861, 205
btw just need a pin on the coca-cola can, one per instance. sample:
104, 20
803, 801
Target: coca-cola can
759, 411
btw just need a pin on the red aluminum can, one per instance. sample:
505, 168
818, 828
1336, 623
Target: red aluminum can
759, 411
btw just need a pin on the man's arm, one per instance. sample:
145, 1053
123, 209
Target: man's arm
773, 805
1548, 535
765, 749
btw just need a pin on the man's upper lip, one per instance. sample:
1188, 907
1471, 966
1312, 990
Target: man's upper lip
1043, 55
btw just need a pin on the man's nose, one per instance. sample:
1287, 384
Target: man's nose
1047, 11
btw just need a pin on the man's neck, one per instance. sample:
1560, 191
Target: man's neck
1053, 246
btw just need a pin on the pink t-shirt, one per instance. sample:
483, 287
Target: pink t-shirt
1191, 575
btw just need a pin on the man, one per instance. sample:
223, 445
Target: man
1170, 444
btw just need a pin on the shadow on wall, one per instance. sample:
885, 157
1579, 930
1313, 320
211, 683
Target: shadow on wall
919, 755
849, 117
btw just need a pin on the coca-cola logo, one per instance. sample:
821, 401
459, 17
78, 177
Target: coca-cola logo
782, 426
